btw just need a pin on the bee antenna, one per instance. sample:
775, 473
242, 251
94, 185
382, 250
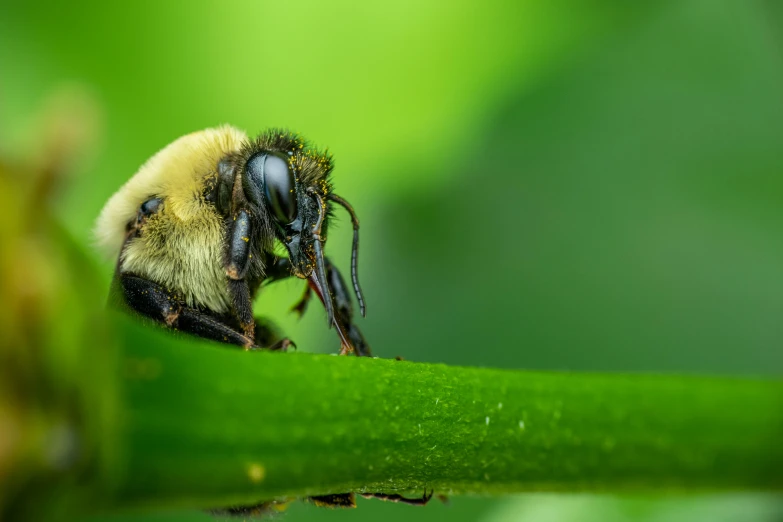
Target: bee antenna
354, 251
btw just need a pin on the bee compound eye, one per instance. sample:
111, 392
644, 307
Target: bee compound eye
269, 174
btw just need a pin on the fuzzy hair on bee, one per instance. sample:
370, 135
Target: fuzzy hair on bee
195, 230
181, 244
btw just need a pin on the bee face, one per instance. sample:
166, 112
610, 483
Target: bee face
274, 188
296, 210
278, 189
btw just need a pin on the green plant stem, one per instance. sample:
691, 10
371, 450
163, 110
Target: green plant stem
211, 426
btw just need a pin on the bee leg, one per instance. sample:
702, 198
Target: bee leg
243, 306
268, 336
339, 500
344, 309
281, 269
153, 301
300, 307
340, 294
422, 501
237, 261
262, 511
282, 345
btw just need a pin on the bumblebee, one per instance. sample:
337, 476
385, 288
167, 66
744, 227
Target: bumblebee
198, 227
196, 232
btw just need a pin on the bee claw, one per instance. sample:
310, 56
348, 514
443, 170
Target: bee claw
282, 345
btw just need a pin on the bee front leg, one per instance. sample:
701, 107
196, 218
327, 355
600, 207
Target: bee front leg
344, 310
341, 298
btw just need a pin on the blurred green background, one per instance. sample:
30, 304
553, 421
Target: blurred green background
593, 185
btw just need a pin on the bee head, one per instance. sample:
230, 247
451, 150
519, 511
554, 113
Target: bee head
276, 188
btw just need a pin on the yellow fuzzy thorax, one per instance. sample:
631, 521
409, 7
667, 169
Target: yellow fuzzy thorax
180, 247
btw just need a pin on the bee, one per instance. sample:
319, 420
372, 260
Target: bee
197, 232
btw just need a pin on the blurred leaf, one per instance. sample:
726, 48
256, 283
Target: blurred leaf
623, 216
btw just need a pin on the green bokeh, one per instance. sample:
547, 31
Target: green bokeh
558, 185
